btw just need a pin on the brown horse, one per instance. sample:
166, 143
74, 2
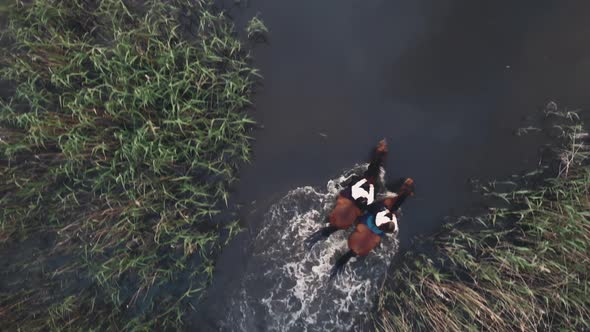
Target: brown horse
353, 200
371, 227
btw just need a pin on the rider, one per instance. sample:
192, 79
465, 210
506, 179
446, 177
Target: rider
381, 216
372, 226
361, 189
353, 200
380, 219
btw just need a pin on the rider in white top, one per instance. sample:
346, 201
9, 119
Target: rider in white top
357, 191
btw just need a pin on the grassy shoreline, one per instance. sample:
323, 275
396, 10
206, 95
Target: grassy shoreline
120, 142
525, 267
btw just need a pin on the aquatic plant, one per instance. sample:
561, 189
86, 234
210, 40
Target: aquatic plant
525, 267
256, 29
118, 145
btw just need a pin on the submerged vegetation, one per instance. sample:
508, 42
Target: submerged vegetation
256, 29
525, 267
117, 148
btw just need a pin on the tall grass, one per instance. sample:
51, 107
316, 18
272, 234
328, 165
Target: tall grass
525, 267
122, 137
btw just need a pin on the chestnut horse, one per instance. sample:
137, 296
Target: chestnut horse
353, 200
371, 227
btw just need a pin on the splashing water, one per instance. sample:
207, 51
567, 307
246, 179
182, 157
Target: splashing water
286, 287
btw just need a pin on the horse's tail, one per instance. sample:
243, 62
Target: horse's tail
322, 234
339, 266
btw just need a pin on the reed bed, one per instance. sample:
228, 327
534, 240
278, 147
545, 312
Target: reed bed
118, 145
525, 267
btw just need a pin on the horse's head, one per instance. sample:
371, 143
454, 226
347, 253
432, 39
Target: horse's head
403, 188
377, 159
381, 147
407, 188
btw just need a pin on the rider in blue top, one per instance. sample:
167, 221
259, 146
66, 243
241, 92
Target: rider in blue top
380, 219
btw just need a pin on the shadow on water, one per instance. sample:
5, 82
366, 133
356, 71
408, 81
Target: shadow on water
446, 82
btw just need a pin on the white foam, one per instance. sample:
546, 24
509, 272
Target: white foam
286, 286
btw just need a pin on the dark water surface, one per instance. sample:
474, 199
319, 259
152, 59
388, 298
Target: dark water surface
446, 82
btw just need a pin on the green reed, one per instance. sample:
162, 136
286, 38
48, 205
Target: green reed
122, 137
256, 29
525, 267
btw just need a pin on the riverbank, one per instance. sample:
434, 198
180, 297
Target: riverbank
121, 135
521, 267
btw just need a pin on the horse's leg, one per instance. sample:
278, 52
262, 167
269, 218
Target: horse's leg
339, 266
322, 234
